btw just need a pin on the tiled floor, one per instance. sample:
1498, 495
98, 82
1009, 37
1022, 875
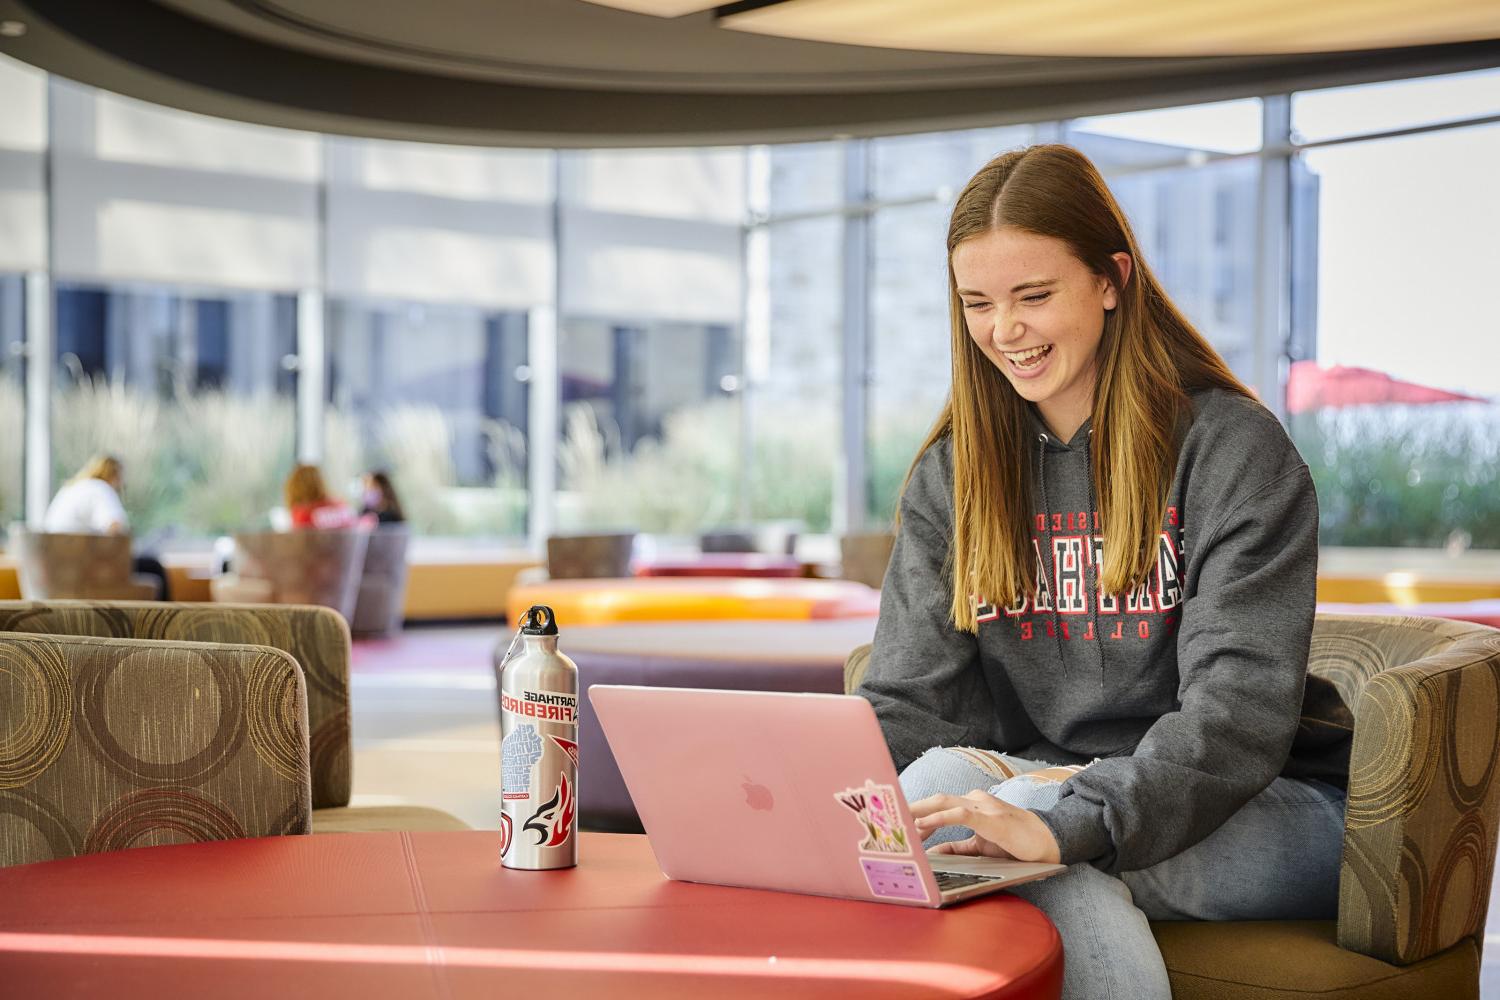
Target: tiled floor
426, 726
426, 732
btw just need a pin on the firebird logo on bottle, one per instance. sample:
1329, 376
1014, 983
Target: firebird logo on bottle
553, 820
569, 747
544, 706
505, 828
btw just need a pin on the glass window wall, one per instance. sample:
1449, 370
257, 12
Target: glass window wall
1396, 406
649, 348
700, 300
438, 397
192, 390
12, 396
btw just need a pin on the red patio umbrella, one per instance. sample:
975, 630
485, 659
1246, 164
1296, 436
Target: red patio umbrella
1309, 387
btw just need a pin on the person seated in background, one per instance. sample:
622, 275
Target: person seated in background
311, 505
89, 504
380, 498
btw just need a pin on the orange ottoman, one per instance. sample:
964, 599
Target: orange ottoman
646, 599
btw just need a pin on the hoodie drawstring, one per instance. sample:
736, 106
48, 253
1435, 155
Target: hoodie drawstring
1041, 478
1090, 595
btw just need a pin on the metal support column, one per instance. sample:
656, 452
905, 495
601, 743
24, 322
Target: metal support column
544, 419
37, 474
312, 375
1273, 238
850, 488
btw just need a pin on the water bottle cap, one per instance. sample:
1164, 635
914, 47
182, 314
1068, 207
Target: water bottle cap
539, 621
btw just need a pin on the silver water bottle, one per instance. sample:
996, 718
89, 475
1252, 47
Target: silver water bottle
538, 748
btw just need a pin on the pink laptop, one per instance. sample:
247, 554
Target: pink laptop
794, 792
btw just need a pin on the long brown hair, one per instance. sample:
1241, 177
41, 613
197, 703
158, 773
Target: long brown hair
305, 486
390, 505
1150, 357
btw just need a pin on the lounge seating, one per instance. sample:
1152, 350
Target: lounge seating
589, 557
866, 556
777, 538
54, 565
1420, 833
382, 583
681, 599
132, 743
296, 567
316, 638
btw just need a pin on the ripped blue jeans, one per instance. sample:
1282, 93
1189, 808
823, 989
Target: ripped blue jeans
1275, 859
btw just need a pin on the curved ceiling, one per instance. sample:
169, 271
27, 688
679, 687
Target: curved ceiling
1112, 28
572, 73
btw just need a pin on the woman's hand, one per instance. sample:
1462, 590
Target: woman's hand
1001, 830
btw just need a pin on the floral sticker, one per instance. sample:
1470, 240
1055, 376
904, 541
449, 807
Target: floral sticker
876, 809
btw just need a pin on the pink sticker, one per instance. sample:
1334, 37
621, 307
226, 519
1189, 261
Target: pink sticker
894, 879
875, 808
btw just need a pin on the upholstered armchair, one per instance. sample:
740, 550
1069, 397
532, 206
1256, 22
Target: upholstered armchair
381, 598
866, 556
295, 567
316, 638
777, 538
1419, 837
587, 557
56, 565
119, 743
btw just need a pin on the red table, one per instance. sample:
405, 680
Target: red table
746, 564
420, 915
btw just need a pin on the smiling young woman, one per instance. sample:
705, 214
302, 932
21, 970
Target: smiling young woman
1094, 631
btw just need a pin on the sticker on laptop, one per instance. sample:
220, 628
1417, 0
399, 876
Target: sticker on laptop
894, 879
543, 706
875, 808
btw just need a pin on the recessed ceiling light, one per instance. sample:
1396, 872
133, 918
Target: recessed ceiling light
12, 29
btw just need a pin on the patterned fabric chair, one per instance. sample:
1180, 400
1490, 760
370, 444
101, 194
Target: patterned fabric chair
381, 600
316, 638
1419, 837
866, 556
296, 567
53, 565
115, 743
589, 557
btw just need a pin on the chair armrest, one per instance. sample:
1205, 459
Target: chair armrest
1424, 803
855, 666
316, 637
225, 754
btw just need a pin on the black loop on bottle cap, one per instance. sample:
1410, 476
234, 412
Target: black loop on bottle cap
539, 621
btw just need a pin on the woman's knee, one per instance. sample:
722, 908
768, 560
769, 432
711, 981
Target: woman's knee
942, 771
1028, 791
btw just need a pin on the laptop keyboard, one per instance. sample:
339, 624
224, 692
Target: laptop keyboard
947, 881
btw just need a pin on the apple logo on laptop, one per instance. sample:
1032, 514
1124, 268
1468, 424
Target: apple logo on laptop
757, 796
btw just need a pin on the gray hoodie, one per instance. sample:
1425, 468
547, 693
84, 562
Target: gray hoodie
1187, 695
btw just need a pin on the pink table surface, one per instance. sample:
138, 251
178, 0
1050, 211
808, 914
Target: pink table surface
433, 915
